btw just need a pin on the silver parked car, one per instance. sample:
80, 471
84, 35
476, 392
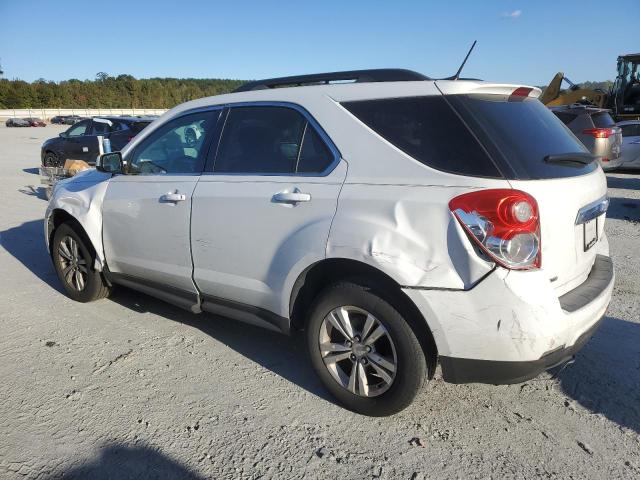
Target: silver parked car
397, 220
630, 143
596, 129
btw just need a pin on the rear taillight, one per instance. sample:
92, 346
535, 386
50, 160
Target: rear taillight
599, 132
504, 223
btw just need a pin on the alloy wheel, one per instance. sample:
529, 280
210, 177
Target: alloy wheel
358, 351
72, 263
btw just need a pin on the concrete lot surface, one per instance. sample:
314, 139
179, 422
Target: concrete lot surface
130, 387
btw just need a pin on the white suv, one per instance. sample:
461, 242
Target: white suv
399, 221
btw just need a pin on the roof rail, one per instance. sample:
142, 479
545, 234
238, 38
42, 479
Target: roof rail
359, 76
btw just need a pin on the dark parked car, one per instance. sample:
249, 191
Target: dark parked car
71, 119
17, 122
58, 119
35, 122
80, 142
596, 130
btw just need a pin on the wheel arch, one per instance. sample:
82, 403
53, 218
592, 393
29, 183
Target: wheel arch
321, 274
59, 216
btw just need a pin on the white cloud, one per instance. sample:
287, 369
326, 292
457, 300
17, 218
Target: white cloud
514, 14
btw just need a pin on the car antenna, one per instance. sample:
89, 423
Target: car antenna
457, 75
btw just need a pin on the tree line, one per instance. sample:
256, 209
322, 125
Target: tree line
123, 91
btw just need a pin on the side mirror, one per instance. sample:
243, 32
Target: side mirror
63, 134
110, 163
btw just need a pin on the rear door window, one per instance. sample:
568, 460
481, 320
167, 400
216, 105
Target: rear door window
272, 141
428, 130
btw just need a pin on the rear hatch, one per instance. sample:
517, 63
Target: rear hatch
523, 136
606, 129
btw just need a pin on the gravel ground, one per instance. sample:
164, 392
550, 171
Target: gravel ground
130, 387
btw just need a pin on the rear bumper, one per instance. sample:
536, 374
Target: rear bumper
512, 326
465, 370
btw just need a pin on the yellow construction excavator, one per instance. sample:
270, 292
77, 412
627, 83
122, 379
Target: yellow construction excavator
623, 98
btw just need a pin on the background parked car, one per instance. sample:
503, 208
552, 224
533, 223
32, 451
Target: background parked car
596, 130
17, 122
630, 143
36, 122
58, 119
71, 119
80, 142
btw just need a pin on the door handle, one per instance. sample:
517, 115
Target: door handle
173, 197
291, 198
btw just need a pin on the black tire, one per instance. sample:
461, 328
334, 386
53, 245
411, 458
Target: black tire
50, 159
93, 286
411, 363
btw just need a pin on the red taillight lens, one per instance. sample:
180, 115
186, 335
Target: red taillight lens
504, 223
599, 132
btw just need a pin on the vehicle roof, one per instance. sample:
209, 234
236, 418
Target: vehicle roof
344, 92
126, 119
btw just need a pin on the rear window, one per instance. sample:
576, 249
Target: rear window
602, 119
519, 133
427, 129
565, 117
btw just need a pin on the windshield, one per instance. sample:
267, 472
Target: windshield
519, 133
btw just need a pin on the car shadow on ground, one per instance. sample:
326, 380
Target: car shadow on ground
283, 355
624, 209
34, 171
129, 462
605, 378
39, 192
26, 244
624, 183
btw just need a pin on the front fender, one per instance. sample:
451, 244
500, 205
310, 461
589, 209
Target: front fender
81, 198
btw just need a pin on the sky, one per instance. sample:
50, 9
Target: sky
518, 41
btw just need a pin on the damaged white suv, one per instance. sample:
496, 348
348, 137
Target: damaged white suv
399, 221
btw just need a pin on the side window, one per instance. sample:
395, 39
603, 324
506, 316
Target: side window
429, 130
270, 140
79, 129
100, 128
260, 140
315, 156
176, 147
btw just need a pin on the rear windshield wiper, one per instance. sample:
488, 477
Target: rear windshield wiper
571, 158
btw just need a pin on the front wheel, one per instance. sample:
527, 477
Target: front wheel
73, 260
364, 351
50, 159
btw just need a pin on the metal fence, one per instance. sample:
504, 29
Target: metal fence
47, 113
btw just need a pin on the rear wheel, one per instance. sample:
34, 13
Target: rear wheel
73, 259
364, 351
